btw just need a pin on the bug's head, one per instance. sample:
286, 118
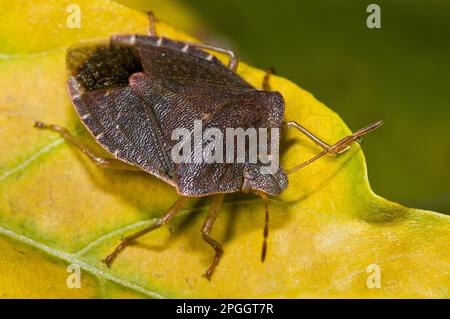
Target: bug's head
260, 178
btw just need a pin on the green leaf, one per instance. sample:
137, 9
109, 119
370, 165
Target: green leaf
328, 233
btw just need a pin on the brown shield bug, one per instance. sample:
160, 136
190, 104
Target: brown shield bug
135, 91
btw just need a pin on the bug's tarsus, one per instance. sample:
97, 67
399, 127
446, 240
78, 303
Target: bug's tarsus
39, 124
103, 162
266, 228
266, 79
171, 213
152, 20
217, 201
335, 149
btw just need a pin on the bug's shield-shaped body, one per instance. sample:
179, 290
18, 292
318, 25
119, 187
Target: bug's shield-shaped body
133, 92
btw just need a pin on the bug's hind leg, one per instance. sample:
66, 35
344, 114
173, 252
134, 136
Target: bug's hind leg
171, 213
233, 59
232, 63
206, 229
100, 161
152, 20
266, 79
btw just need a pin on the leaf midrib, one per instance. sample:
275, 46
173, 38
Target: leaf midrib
74, 258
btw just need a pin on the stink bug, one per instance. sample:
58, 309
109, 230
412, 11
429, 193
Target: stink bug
134, 91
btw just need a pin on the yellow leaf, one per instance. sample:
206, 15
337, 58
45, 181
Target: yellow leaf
330, 235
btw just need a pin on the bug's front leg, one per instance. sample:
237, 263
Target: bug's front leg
206, 229
338, 148
100, 161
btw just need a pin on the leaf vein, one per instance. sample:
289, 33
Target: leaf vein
72, 259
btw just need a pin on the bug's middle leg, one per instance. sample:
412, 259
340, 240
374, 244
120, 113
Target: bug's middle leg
266, 79
169, 215
206, 229
100, 161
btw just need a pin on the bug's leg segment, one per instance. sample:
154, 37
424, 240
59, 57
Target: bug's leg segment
232, 63
266, 79
152, 20
206, 229
171, 213
335, 149
100, 161
310, 135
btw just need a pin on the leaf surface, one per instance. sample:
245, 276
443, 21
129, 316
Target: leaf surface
328, 230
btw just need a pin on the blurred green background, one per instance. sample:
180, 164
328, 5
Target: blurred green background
399, 73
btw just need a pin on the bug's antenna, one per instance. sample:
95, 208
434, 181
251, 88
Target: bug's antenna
266, 227
335, 149
315, 158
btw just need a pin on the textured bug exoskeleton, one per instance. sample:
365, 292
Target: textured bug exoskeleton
134, 91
